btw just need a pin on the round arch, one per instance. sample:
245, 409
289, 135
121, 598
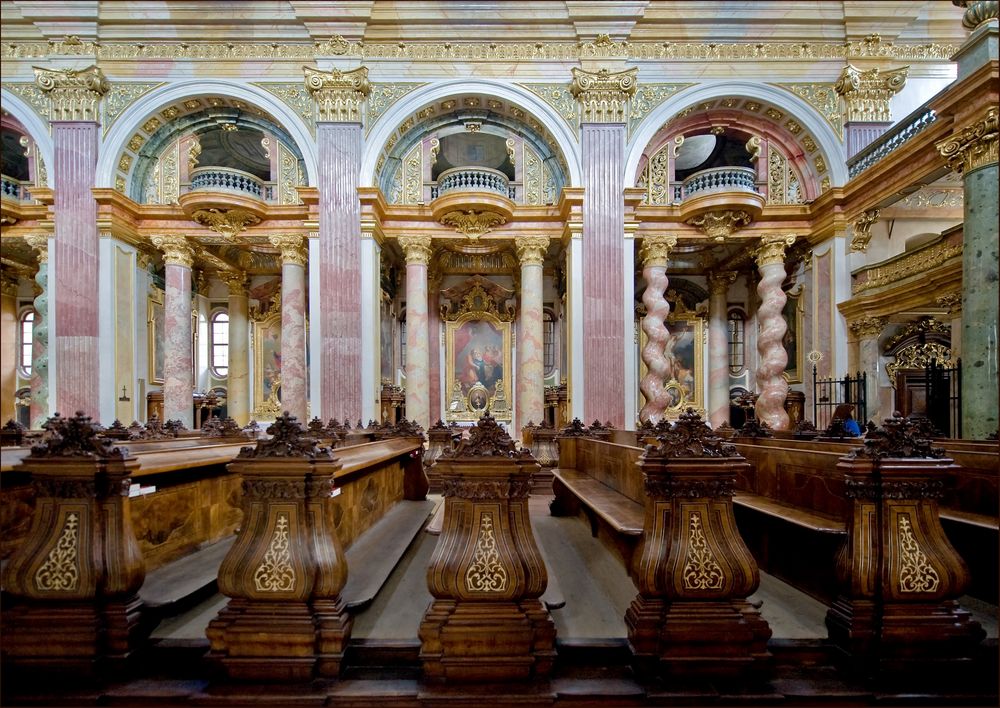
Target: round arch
37, 128
133, 117
567, 142
830, 145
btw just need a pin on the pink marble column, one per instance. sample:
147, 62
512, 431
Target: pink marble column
417, 250
771, 385
178, 374
434, 337
293, 324
238, 380
718, 348
655, 254
530, 362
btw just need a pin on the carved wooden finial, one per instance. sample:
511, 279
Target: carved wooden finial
898, 437
486, 439
575, 429
288, 439
689, 437
78, 436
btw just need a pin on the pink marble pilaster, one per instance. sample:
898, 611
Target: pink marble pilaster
293, 324
655, 254
530, 361
178, 374
718, 348
602, 147
825, 313
434, 340
417, 250
771, 385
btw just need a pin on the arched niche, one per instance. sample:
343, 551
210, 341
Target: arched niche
17, 116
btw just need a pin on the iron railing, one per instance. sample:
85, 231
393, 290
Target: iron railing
943, 389
830, 393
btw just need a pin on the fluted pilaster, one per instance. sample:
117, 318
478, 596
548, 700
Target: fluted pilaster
293, 323
771, 385
178, 374
655, 253
417, 250
530, 362
718, 347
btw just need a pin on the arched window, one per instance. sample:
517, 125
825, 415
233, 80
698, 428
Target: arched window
737, 342
219, 344
25, 332
548, 341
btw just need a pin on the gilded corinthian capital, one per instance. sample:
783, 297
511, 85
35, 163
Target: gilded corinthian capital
655, 250
974, 146
338, 94
291, 248
604, 96
868, 92
772, 249
73, 95
416, 249
176, 249
531, 249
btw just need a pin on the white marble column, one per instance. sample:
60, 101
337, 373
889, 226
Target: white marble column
655, 254
530, 345
178, 375
772, 357
293, 324
417, 250
718, 347
238, 380
867, 330
39, 410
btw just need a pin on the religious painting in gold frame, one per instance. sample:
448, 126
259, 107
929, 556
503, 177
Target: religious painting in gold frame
267, 367
478, 363
685, 380
794, 312
155, 323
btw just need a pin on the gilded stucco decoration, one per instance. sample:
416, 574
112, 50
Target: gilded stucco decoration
73, 95
867, 92
721, 224
533, 177
919, 356
822, 97
411, 183
383, 96
30, 94
921, 261
647, 97
339, 95
868, 326
974, 146
933, 199
863, 230
228, 223
473, 223
604, 95
782, 183
120, 96
296, 97
560, 98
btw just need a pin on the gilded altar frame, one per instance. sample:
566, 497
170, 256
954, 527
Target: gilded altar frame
687, 386
267, 376
794, 314
155, 332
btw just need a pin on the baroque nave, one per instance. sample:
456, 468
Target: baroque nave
637, 352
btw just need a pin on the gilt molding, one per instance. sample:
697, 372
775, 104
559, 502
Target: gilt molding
176, 249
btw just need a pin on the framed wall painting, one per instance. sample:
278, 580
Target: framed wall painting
155, 334
794, 312
478, 357
267, 367
685, 380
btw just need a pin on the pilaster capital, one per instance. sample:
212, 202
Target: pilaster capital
416, 249
974, 146
868, 326
290, 246
531, 249
40, 244
338, 94
951, 301
772, 249
236, 281
604, 96
73, 95
656, 248
977, 12
863, 230
719, 282
176, 249
867, 92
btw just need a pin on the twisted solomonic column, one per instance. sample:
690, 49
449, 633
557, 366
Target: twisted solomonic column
773, 358
655, 252
39, 411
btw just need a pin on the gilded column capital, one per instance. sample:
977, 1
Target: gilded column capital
950, 301
867, 92
977, 12
655, 249
338, 94
176, 249
40, 244
531, 249
772, 249
73, 95
868, 326
719, 282
236, 281
291, 249
416, 249
604, 96
863, 230
974, 146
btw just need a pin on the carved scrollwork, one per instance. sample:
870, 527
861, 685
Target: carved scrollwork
266, 489
669, 488
689, 437
898, 437
288, 439
480, 490
486, 439
78, 436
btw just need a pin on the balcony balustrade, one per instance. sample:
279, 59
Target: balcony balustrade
719, 179
472, 179
13, 189
225, 179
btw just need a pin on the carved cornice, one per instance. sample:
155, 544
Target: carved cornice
73, 95
603, 95
531, 249
867, 327
977, 12
718, 283
339, 95
176, 249
40, 244
236, 281
974, 147
868, 92
473, 223
772, 249
863, 230
655, 250
227, 223
721, 224
292, 252
416, 249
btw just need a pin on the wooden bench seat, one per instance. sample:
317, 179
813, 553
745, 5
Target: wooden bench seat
618, 511
798, 516
983, 521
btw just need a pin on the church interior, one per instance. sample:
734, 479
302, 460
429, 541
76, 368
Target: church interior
554, 353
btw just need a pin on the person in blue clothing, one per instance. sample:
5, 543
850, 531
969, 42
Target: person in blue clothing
845, 412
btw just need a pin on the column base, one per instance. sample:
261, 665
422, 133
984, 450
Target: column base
486, 641
721, 639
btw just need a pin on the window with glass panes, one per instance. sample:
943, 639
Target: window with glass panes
737, 349
548, 341
219, 340
27, 329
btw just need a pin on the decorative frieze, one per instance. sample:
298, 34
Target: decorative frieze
604, 96
339, 95
952, 302
176, 249
868, 92
73, 95
918, 262
974, 146
291, 249
863, 230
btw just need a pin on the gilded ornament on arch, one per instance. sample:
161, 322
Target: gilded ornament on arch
822, 97
31, 94
919, 356
296, 97
120, 96
226, 222
647, 98
151, 125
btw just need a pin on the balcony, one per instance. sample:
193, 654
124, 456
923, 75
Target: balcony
226, 200
472, 200
14, 189
225, 179
472, 179
721, 200
720, 179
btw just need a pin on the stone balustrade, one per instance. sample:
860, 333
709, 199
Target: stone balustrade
473, 179
15, 189
225, 179
719, 179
